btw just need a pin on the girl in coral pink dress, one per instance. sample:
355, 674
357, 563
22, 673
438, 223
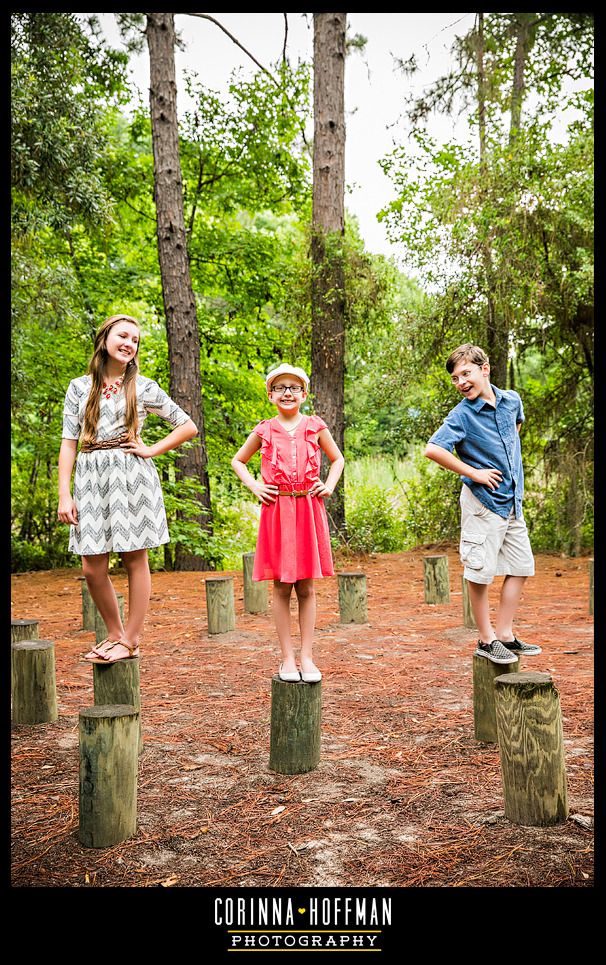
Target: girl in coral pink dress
293, 546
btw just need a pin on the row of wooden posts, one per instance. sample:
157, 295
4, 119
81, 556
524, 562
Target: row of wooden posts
519, 711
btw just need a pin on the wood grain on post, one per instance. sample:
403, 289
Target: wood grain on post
88, 608
435, 576
469, 620
108, 774
353, 607
484, 714
24, 630
591, 586
255, 593
119, 683
33, 682
220, 604
531, 746
100, 628
296, 714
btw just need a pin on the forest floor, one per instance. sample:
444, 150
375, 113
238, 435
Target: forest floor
404, 796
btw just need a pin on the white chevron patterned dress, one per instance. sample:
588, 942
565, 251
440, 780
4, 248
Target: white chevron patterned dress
118, 495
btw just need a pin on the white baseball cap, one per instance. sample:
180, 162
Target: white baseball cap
285, 369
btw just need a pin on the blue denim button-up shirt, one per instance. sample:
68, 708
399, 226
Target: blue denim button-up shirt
486, 437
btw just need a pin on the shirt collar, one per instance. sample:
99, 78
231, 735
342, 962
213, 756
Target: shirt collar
479, 403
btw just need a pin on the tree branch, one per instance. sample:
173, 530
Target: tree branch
207, 16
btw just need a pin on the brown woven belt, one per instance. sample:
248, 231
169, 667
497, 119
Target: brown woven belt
114, 443
294, 492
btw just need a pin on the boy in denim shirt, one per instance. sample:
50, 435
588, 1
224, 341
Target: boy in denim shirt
484, 428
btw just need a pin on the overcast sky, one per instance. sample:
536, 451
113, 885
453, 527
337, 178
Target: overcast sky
374, 89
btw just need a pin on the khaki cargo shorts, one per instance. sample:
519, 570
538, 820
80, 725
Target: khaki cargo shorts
492, 545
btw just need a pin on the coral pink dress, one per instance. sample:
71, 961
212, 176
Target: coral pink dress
294, 539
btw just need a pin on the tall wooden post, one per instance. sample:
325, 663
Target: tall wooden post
24, 630
88, 608
220, 604
100, 628
591, 586
255, 593
33, 681
352, 598
296, 713
531, 746
469, 620
119, 683
435, 576
484, 714
108, 774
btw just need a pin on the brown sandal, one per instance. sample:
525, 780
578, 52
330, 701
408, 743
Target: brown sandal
122, 643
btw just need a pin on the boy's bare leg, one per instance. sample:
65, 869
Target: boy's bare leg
478, 597
281, 611
511, 591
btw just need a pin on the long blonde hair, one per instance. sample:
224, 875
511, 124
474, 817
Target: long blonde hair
96, 369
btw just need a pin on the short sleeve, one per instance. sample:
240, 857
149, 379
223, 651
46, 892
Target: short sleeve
316, 424
450, 432
520, 417
71, 413
157, 402
262, 428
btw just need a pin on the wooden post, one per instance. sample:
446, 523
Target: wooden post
24, 630
34, 682
88, 608
531, 746
484, 714
220, 604
352, 598
435, 574
100, 628
119, 683
255, 593
469, 620
296, 712
108, 774
591, 586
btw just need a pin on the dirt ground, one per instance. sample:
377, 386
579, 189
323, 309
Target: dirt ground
404, 796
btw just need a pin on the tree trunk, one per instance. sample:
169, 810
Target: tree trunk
179, 301
328, 227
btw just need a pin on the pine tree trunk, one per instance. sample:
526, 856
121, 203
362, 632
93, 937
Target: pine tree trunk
179, 301
328, 227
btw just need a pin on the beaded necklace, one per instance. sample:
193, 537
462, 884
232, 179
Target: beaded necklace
112, 388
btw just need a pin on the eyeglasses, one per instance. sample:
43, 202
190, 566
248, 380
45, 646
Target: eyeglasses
463, 376
281, 389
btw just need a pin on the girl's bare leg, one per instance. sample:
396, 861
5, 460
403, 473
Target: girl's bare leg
139, 592
281, 611
96, 572
306, 596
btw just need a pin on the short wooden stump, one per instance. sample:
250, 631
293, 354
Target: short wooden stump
109, 737
119, 683
531, 746
24, 630
435, 579
484, 714
220, 605
590, 567
353, 605
33, 680
88, 607
296, 717
255, 591
469, 620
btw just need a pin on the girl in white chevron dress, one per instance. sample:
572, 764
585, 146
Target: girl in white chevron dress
117, 504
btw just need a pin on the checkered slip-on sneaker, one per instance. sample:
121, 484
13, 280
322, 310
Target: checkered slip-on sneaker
495, 651
519, 647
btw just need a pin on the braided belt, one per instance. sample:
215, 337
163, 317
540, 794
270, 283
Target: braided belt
294, 492
114, 443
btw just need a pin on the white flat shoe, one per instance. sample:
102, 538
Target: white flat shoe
313, 677
292, 677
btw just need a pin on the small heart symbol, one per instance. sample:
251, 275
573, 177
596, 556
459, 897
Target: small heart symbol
301, 911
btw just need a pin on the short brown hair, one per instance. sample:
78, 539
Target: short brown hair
466, 353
